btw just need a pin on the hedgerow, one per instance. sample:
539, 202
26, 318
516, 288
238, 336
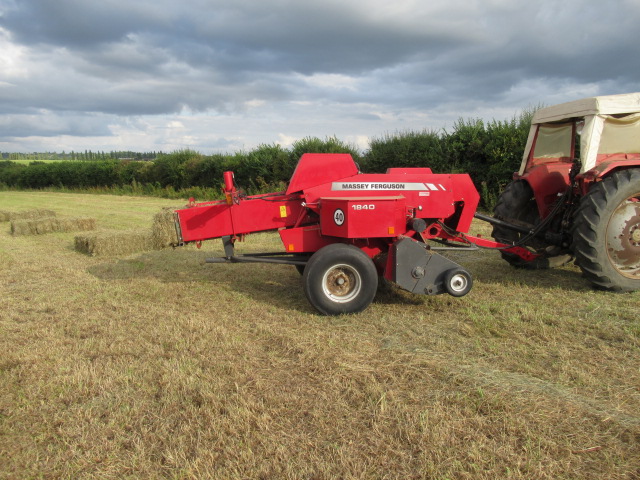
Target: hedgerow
488, 151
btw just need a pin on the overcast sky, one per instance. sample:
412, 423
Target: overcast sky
226, 75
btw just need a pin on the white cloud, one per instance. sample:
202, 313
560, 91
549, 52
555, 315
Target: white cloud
12, 66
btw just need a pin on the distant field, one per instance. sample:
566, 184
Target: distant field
158, 365
27, 162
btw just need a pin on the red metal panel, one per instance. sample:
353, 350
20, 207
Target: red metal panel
547, 182
432, 196
304, 239
253, 214
260, 215
317, 168
467, 197
363, 217
200, 223
410, 171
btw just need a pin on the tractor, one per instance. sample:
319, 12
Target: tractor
577, 193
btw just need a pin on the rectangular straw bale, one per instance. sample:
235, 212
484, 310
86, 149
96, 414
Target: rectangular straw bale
121, 242
23, 227
163, 230
76, 224
42, 226
7, 216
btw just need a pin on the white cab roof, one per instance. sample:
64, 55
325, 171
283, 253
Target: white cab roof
605, 105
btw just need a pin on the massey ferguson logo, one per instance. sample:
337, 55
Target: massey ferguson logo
424, 187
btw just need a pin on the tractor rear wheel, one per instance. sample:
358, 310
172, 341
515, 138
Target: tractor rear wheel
340, 278
606, 232
517, 206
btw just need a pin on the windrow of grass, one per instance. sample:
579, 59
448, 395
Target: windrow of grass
157, 365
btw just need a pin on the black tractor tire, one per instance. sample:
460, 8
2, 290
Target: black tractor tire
340, 278
517, 205
606, 232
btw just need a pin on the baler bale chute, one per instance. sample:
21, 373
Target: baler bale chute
343, 229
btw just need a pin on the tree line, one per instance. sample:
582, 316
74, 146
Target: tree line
489, 151
87, 155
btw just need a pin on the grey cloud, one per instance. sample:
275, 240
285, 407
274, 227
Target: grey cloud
78, 23
161, 57
47, 124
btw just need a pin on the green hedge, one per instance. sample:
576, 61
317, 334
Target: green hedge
489, 152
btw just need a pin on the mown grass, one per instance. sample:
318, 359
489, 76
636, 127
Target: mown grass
157, 365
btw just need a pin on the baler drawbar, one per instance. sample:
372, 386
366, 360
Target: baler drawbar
342, 229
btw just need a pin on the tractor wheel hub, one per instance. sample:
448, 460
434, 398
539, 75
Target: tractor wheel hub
635, 235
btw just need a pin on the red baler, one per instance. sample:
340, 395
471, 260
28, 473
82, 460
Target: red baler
343, 229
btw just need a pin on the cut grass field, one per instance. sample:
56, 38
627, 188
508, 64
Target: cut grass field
157, 365
23, 161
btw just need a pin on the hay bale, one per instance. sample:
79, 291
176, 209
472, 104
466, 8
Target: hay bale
7, 216
42, 226
121, 242
78, 224
23, 227
163, 230
32, 227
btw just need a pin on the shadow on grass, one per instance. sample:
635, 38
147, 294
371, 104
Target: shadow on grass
280, 285
488, 268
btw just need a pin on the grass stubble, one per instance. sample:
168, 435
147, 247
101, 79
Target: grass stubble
156, 365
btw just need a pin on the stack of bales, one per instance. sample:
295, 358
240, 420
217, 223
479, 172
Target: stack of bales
40, 221
40, 226
113, 243
7, 216
125, 242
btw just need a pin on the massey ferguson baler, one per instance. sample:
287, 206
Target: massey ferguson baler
343, 229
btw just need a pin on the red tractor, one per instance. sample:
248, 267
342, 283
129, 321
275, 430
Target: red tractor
577, 193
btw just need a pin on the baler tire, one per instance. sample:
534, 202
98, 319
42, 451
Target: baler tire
606, 232
517, 205
339, 279
458, 282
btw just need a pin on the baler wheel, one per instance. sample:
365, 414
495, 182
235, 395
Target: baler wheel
606, 232
340, 278
517, 205
458, 282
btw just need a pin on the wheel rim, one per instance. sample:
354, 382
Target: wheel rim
458, 283
623, 237
341, 283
